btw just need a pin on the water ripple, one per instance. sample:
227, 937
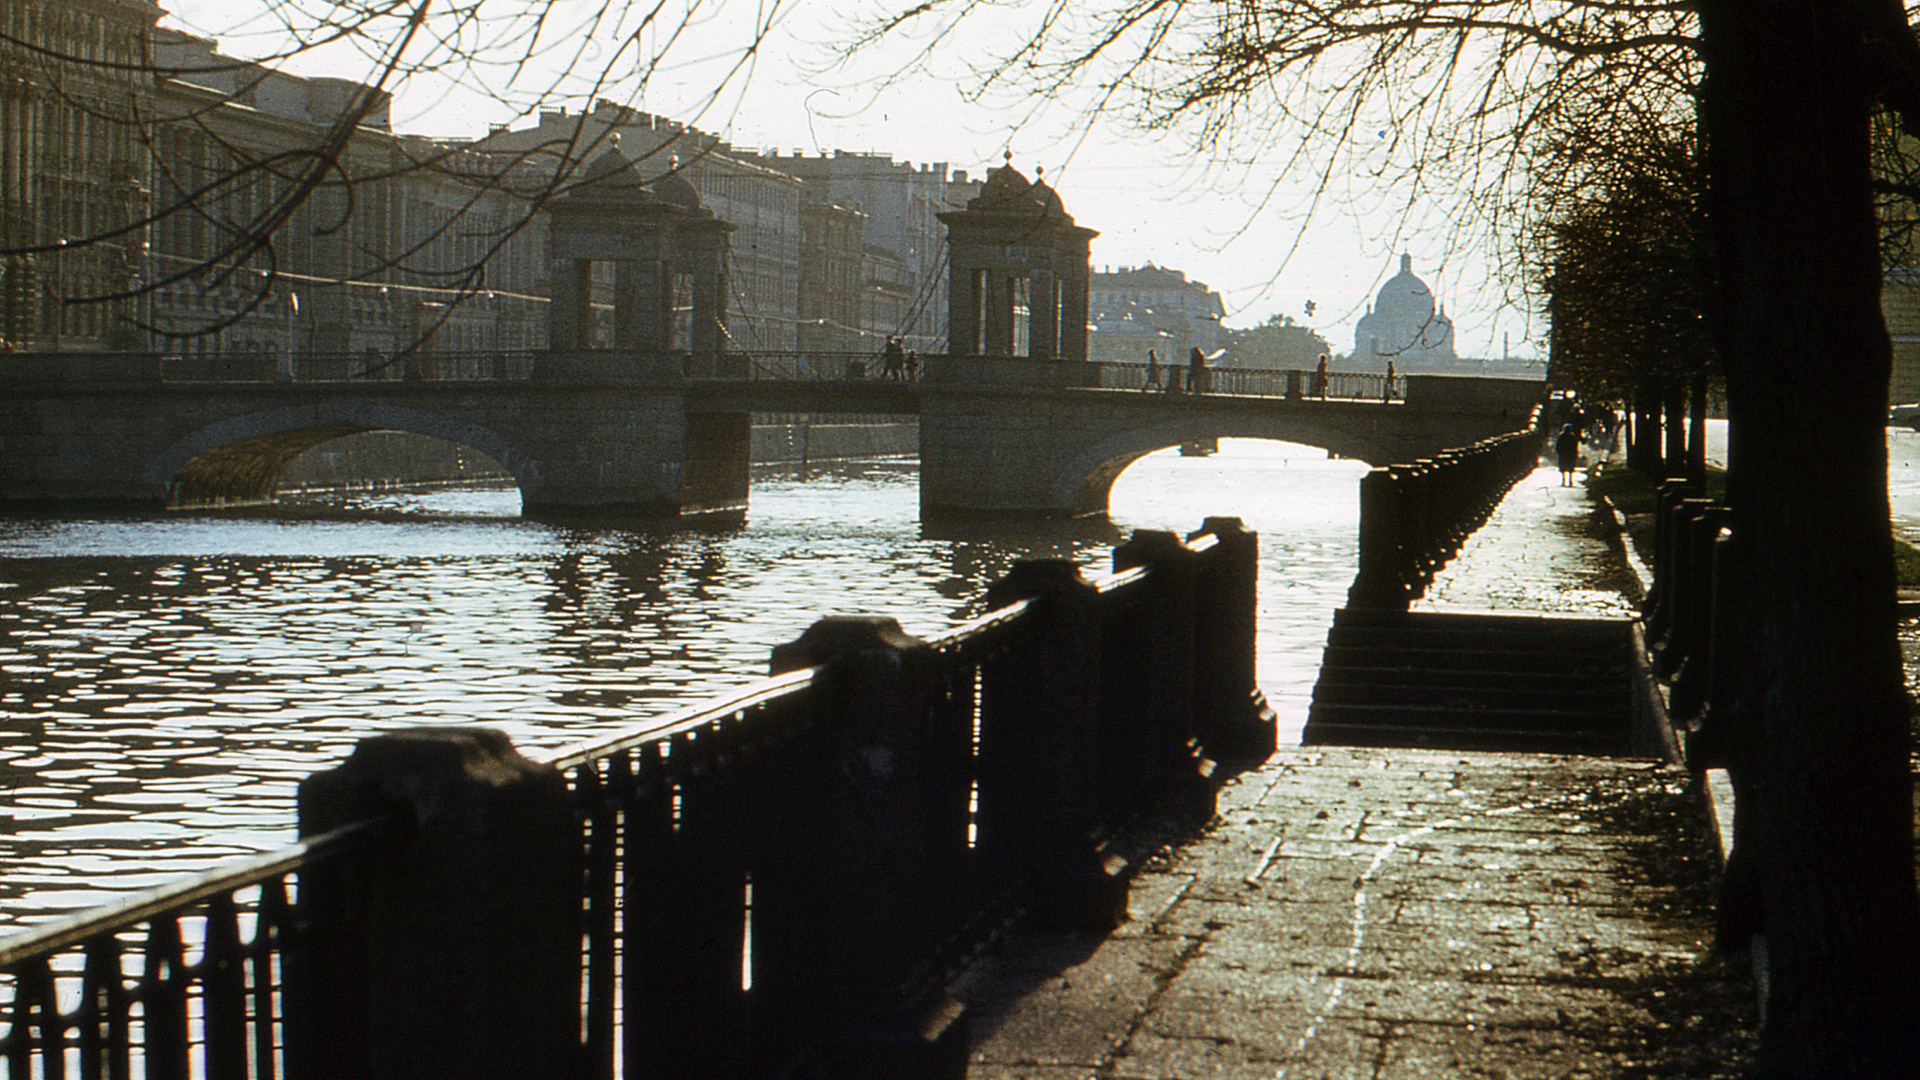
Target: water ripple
165, 681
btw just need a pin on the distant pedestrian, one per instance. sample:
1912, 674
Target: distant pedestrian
894, 359
1386, 390
1566, 449
913, 365
1196, 371
1320, 379
1153, 371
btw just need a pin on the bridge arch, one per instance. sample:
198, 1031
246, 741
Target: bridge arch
1085, 481
237, 460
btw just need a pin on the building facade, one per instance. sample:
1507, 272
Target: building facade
1151, 307
901, 203
74, 170
401, 242
831, 267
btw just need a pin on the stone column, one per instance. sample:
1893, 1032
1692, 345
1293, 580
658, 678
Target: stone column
570, 323
1043, 322
963, 311
452, 950
653, 296
1074, 283
628, 305
997, 316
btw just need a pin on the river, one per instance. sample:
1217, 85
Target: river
169, 679
166, 680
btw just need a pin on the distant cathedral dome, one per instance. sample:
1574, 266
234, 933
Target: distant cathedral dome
1404, 323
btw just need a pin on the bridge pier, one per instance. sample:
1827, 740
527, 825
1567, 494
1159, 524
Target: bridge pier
674, 464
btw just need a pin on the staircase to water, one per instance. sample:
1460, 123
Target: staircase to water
1475, 681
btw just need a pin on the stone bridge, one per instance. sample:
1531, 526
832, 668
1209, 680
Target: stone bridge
656, 435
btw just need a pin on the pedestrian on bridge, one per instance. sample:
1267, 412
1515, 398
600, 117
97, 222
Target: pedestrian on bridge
1320, 378
1196, 371
895, 359
1153, 371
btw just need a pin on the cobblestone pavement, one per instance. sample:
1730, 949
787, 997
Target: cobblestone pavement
1398, 914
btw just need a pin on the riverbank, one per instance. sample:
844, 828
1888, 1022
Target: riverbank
1393, 913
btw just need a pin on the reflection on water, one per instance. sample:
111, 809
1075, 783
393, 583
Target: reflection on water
168, 680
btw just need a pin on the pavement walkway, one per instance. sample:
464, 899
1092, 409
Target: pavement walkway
1398, 913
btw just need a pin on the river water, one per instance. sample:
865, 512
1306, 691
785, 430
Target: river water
165, 681
169, 679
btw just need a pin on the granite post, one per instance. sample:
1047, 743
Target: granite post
453, 950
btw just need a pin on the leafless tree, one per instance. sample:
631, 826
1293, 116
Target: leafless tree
1462, 92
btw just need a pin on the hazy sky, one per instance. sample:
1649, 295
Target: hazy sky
1243, 230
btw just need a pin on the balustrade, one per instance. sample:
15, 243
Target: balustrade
750, 366
782, 881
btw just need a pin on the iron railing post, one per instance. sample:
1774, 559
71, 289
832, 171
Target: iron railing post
1233, 721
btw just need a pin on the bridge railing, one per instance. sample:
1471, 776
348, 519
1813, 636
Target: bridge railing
348, 367
809, 366
1250, 382
756, 366
792, 872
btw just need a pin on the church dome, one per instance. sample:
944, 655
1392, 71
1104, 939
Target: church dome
1405, 323
1405, 296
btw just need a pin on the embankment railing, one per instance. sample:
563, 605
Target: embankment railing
780, 882
1415, 516
1692, 537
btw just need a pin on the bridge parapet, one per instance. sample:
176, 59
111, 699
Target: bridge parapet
1009, 371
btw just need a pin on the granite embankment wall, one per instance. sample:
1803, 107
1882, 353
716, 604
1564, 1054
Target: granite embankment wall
393, 457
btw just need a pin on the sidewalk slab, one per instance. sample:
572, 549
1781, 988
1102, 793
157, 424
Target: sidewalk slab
1388, 914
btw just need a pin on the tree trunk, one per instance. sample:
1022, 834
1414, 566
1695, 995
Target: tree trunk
1643, 449
1797, 323
1673, 407
1697, 431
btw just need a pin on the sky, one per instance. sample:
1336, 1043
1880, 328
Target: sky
1269, 244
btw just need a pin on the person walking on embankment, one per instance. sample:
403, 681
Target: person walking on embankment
1566, 448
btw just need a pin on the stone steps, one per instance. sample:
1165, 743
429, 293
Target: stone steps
1474, 681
